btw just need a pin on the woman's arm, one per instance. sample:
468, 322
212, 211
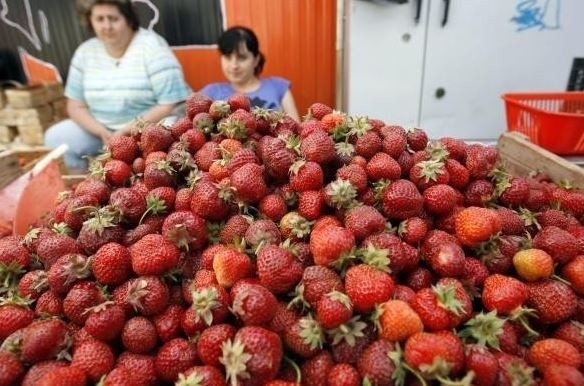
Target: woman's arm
80, 114
289, 106
154, 114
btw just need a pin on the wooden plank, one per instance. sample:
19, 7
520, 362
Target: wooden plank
27, 97
522, 157
34, 116
16, 162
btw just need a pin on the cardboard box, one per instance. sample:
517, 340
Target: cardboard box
41, 115
27, 97
7, 133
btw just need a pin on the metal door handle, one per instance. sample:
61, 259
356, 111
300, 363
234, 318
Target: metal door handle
446, 11
418, 10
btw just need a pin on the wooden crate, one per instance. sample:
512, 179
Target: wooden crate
54, 90
522, 157
27, 97
7, 133
59, 109
32, 134
40, 115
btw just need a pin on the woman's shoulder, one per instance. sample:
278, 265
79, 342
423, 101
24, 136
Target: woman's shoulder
217, 90
89, 45
276, 82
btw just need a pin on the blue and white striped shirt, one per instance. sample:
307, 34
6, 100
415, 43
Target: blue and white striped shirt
117, 90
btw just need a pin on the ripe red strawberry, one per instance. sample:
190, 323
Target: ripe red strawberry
401, 199
504, 294
515, 193
511, 222
277, 268
368, 144
167, 323
13, 251
83, 295
32, 284
120, 376
49, 303
129, 203
367, 286
399, 321
412, 230
559, 375
43, 340
398, 260
424, 349
139, 335
376, 365
573, 271
318, 110
93, 187
11, 370
254, 351
146, 294
186, 230
483, 363
331, 243
474, 225
394, 140
316, 369
447, 259
197, 103
253, 304
305, 337
155, 137
231, 265
550, 352
158, 174
203, 375
417, 139
14, 317
105, 322
333, 309
277, 158
153, 255
111, 264
553, 301
249, 183
209, 201
429, 173
239, 101
571, 332
116, 172
459, 176
560, 244
273, 206
140, 366
317, 281
479, 193
205, 156
181, 126
311, 204
219, 109
95, 358
439, 199
344, 374
364, 220
173, 358
38, 371
383, 166
210, 342
318, 147
193, 139
306, 176
63, 376
478, 162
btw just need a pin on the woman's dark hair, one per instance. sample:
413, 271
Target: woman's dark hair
231, 40
126, 8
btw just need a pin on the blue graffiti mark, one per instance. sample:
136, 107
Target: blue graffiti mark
537, 14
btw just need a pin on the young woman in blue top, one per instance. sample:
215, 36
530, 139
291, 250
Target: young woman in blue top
242, 63
122, 73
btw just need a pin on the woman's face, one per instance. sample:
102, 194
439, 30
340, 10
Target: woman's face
109, 24
239, 66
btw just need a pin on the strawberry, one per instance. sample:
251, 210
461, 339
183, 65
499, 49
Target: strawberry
333, 309
343, 374
173, 358
205, 156
417, 139
231, 265
158, 174
306, 176
459, 176
555, 217
560, 244
401, 199
318, 110
533, 264
305, 337
439, 199
425, 174
49, 303
550, 352
574, 203
479, 193
155, 137
179, 127
553, 301
330, 244
105, 322
277, 158
209, 201
394, 140
345, 351
167, 323
367, 286
483, 363
560, 375
142, 367
219, 109
447, 259
514, 192
368, 144
120, 376
376, 363
383, 166
474, 225
185, 229
573, 271
139, 335
412, 230
253, 304
14, 317
318, 147
434, 354
317, 281
37, 371
311, 204
278, 270
249, 183
32, 284
210, 342
364, 220
254, 351
478, 162
197, 103
239, 101
43, 340
95, 358
13, 252
316, 369
147, 294
116, 172
11, 370
81, 296
111, 264
93, 187
571, 332
511, 221
153, 255
398, 321
504, 294
129, 203
64, 376
273, 206
203, 375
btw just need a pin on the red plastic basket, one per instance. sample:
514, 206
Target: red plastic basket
554, 121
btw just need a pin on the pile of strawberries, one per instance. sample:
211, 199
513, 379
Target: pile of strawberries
239, 247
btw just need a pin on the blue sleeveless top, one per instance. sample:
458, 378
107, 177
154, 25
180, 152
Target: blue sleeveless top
269, 95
